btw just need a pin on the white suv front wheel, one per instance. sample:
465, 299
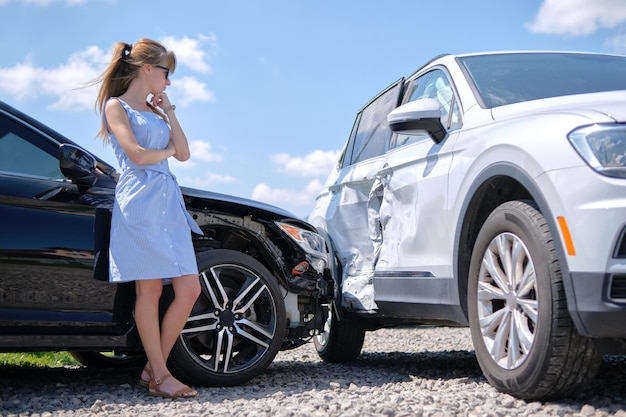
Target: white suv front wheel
341, 341
524, 339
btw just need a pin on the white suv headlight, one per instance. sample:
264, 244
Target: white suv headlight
603, 147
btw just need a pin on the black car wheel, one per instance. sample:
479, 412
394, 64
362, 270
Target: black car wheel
525, 341
112, 359
341, 341
236, 327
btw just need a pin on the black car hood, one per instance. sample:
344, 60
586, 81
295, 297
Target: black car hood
238, 205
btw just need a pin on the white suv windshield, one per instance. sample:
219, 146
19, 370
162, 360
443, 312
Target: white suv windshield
502, 79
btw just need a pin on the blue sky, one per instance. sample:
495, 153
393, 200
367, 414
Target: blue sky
267, 91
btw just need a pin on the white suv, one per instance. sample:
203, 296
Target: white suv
488, 190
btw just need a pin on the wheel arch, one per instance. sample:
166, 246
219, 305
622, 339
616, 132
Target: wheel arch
495, 185
250, 237
246, 242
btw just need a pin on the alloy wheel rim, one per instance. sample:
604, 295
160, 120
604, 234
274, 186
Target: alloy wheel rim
233, 323
508, 303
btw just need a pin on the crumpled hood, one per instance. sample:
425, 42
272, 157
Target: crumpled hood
238, 204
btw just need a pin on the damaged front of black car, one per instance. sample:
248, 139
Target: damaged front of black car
263, 271
266, 288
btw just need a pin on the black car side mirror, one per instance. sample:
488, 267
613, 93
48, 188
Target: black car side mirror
77, 164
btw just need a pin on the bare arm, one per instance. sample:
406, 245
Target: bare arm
119, 125
178, 137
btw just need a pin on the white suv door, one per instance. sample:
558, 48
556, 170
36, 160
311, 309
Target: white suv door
413, 213
348, 206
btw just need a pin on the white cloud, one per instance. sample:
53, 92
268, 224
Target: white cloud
193, 90
18, 81
201, 155
189, 51
287, 196
616, 44
316, 163
67, 82
45, 3
578, 17
200, 152
206, 181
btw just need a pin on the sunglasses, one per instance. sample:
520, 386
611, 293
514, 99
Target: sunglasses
166, 69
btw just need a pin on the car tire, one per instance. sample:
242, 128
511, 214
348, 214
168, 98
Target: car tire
99, 360
237, 325
516, 299
341, 341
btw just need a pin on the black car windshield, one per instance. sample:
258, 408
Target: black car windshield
501, 79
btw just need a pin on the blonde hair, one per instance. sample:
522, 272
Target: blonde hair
124, 67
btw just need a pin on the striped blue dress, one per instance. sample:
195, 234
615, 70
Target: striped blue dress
150, 227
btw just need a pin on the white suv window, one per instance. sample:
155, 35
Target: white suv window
370, 133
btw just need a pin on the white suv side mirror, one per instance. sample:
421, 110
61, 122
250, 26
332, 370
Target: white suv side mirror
417, 117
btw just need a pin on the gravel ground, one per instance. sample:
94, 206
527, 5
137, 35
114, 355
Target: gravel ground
401, 372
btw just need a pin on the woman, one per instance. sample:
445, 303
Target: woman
150, 228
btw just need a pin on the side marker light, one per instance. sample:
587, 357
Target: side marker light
567, 237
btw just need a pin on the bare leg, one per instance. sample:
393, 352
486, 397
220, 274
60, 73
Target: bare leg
186, 292
147, 319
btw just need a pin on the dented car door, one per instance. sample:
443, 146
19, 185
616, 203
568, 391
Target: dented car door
352, 201
414, 208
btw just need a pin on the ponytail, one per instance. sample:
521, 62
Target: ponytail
123, 68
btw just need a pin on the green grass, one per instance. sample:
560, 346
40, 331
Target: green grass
37, 359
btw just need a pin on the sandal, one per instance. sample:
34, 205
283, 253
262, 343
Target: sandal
155, 390
143, 382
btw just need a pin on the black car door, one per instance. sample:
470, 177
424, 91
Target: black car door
46, 244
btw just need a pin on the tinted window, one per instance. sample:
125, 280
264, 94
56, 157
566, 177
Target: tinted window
370, 134
18, 155
512, 78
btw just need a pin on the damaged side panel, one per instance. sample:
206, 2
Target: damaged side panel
351, 212
414, 208
380, 234
351, 219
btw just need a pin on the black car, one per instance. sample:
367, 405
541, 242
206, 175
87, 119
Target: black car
263, 271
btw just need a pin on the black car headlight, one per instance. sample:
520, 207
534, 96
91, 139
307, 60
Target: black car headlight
312, 243
603, 147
